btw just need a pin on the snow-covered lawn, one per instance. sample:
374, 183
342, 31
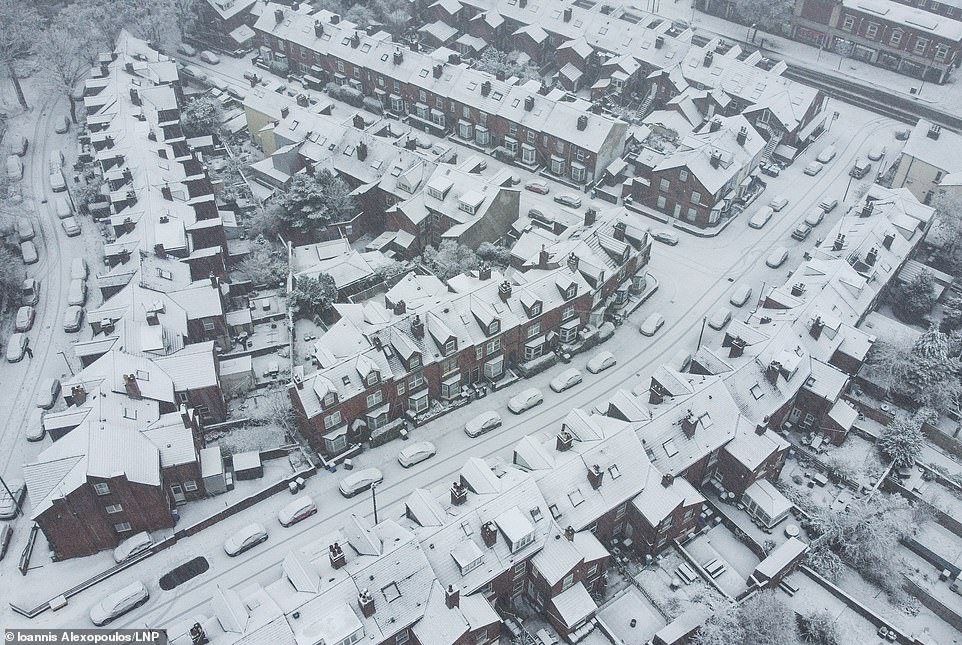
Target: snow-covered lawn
631, 605
720, 543
657, 582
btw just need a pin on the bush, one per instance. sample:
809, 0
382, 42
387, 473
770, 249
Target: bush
345, 93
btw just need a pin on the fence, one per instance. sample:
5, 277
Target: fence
949, 444
933, 604
24, 563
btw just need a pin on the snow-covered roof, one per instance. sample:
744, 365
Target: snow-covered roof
767, 498
574, 604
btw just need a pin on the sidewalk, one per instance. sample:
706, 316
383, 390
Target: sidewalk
947, 97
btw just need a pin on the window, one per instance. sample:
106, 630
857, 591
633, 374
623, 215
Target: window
450, 346
896, 38
123, 527
332, 420
921, 44
494, 345
401, 638
578, 172
340, 66
664, 185
401, 389
374, 399
620, 513
479, 352
519, 568
494, 327
208, 325
513, 130
534, 330
190, 485
449, 365
329, 399
397, 104
372, 378
528, 154
568, 581
849, 23
101, 488
532, 352
437, 118
557, 165
580, 154
439, 103
692, 214
414, 362
567, 312
592, 570
531, 137
511, 145
466, 112
416, 381
418, 403
114, 508
682, 176
397, 86
662, 202
872, 30
941, 53
422, 96
696, 197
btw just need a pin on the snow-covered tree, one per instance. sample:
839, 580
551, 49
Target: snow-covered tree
494, 61
925, 371
948, 222
770, 13
202, 116
951, 315
265, 264
313, 296
449, 260
914, 299
494, 254
316, 200
66, 60
762, 619
901, 441
11, 277
820, 628
267, 221
20, 26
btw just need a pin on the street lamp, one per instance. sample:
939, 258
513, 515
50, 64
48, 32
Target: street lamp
374, 501
67, 362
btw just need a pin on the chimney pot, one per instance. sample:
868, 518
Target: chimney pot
452, 597
570, 533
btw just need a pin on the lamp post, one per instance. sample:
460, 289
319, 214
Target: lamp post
16, 501
67, 362
374, 501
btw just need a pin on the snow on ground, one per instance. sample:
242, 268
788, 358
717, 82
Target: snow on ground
721, 544
853, 629
657, 580
631, 605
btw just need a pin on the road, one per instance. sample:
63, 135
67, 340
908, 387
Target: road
710, 269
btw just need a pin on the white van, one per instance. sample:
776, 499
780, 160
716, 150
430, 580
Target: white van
56, 160
78, 269
62, 204
77, 293
827, 154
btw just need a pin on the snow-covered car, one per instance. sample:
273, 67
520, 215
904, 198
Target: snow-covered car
601, 361
30, 292
568, 378
132, 546
665, 237
680, 360
35, 431
71, 226
55, 160
761, 217
119, 603
740, 295
777, 257
525, 400
62, 205
826, 154
78, 269
566, 199
813, 168
484, 422
25, 229
539, 187
815, 218
73, 318
77, 292
57, 182
877, 152
720, 318
245, 538
25, 316
903, 134
860, 168
801, 232
778, 203
28, 251
8, 505
14, 168
209, 57
770, 169
360, 481
194, 72
47, 395
20, 145
61, 124
186, 50
416, 453
301, 508
16, 347
828, 205
652, 324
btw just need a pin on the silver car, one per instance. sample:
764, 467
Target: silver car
525, 400
16, 347
360, 481
119, 603
416, 453
244, 539
484, 422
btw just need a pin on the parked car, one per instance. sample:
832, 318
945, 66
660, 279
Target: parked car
665, 237
25, 229
769, 168
813, 168
778, 203
903, 134
525, 400
35, 431
777, 257
28, 252
14, 168
300, 509
827, 154
78, 269
16, 347
57, 182
877, 152
740, 295
25, 315
61, 124
761, 217
484, 422
245, 538
815, 218
186, 50
652, 324
55, 160
49, 391
601, 361
73, 318
828, 205
566, 199
77, 293
71, 226
416, 453
20, 145
566, 379
801, 232
8, 504
721, 317
194, 72
119, 603
62, 205
6, 532
539, 187
860, 168
360, 481
132, 546
680, 360
209, 57
30, 292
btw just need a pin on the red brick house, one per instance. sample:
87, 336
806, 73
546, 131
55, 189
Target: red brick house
667, 509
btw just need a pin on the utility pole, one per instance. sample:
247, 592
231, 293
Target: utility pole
16, 501
702, 332
67, 362
374, 500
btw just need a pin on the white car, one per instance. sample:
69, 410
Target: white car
720, 318
8, 505
813, 168
61, 124
300, 509
57, 182
568, 378
62, 206
35, 431
360, 481
778, 203
571, 201
78, 269
777, 257
25, 316
28, 251
77, 292
25, 230
119, 603
484, 422
525, 400
73, 318
16, 347
815, 218
681, 360
760, 218
14, 168
740, 295
601, 361
876, 153
652, 324
71, 226
209, 57
47, 396
245, 538
132, 546
827, 154
416, 453
186, 50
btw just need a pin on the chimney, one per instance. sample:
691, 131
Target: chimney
522, 3
528, 103
159, 251
335, 18
688, 424
737, 348
489, 533
109, 141
567, 14
438, 69
760, 428
134, 96
359, 121
336, 555
742, 136
934, 132
714, 125
132, 386
411, 143
543, 258
715, 159
619, 231
459, 493
659, 42
871, 257
545, 89
298, 380
573, 262
295, 5
484, 271
166, 193
838, 243
655, 395
399, 308
887, 241
452, 597
667, 479
867, 209
318, 28
417, 327
709, 57
504, 291
499, 75
129, 67
595, 476
214, 280
798, 289
285, 111
184, 415
771, 373
454, 58
398, 57
366, 602
355, 40
78, 394
485, 88
564, 441
361, 151
583, 122
278, 15
815, 331
197, 635
590, 216
570, 533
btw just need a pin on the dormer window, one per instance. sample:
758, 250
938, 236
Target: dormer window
329, 399
415, 361
372, 378
494, 327
571, 292
451, 346
535, 309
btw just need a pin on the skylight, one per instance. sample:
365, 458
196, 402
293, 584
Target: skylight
576, 497
391, 592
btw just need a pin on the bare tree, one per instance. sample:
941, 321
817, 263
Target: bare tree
20, 24
65, 61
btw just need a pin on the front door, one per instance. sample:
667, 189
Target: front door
178, 492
